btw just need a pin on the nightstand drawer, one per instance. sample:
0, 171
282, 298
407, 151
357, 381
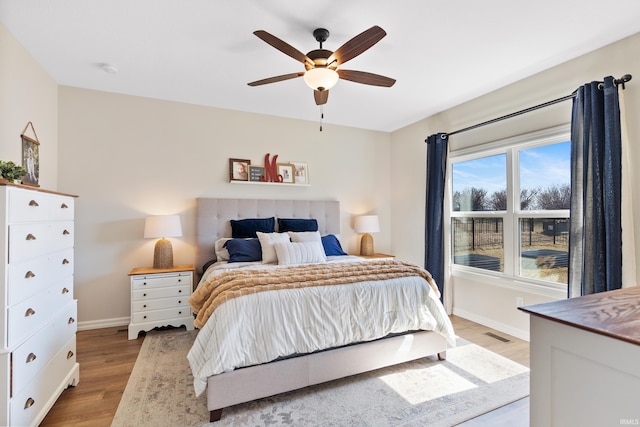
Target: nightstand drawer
175, 291
159, 315
160, 280
161, 303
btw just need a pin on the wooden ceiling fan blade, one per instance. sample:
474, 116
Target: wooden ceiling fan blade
283, 46
357, 45
321, 96
366, 78
276, 79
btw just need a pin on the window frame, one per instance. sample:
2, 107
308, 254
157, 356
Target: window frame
511, 217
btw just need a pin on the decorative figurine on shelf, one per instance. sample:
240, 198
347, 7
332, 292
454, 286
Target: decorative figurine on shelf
271, 170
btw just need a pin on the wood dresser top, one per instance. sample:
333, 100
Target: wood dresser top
615, 313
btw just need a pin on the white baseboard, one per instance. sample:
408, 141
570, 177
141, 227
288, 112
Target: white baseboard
507, 329
104, 323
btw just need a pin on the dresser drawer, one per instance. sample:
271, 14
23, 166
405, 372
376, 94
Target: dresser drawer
33, 313
29, 240
160, 303
33, 276
33, 355
26, 405
159, 315
147, 294
25, 206
160, 280
62, 207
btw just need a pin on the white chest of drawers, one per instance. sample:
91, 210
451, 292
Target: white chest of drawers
38, 321
159, 298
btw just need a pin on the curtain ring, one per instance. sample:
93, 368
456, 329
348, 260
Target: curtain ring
601, 85
444, 136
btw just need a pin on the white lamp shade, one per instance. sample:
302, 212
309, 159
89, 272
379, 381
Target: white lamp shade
162, 226
321, 78
367, 224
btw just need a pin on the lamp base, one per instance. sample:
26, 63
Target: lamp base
366, 245
163, 254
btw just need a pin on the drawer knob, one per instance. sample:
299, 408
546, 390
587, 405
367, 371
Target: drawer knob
69, 354
144, 295
71, 320
144, 283
144, 317
29, 275
64, 206
65, 261
65, 291
179, 280
30, 237
66, 232
144, 306
179, 291
29, 312
29, 403
33, 203
31, 357
179, 312
179, 301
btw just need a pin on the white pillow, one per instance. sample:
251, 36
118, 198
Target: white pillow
291, 253
267, 241
305, 236
222, 254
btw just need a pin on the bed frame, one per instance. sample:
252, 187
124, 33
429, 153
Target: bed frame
255, 382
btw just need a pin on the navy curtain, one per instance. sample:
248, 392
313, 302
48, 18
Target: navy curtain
437, 149
595, 239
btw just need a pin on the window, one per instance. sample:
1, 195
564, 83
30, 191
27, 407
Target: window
510, 207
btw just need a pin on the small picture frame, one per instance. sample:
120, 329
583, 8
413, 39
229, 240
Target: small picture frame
301, 175
239, 169
256, 173
287, 170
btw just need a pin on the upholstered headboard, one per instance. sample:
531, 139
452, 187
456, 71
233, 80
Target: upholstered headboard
214, 214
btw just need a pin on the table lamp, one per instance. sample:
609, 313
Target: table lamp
366, 224
162, 226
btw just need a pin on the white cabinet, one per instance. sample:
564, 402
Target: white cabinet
38, 321
159, 297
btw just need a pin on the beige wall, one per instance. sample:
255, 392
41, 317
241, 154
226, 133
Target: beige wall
27, 94
481, 299
128, 157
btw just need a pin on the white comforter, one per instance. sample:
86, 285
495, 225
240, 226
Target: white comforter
264, 326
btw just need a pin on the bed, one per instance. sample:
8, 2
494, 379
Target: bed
315, 333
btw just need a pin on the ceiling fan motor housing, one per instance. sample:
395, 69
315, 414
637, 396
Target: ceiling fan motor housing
319, 58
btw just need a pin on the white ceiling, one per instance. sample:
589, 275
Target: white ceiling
441, 52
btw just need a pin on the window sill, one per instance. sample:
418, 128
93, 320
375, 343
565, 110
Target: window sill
536, 287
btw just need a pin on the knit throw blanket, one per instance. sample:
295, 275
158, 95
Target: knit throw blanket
234, 283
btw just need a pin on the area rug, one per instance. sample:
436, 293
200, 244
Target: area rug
425, 392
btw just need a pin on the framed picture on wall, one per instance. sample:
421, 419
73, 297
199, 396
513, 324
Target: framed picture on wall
239, 169
255, 173
287, 170
301, 175
31, 161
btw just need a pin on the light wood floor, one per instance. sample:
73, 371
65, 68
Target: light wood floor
107, 357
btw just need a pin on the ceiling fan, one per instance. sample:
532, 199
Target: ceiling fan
323, 66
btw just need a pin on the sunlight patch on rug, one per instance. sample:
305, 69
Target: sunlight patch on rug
421, 385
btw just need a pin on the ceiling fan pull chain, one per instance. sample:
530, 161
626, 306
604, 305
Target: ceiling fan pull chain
321, 116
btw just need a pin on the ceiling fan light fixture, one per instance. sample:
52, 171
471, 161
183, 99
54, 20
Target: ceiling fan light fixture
321, 78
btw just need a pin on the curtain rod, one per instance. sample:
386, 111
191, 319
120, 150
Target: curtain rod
621, 81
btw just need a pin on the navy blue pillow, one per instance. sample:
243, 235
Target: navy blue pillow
244, 250
247, 228
297, 225
332, 246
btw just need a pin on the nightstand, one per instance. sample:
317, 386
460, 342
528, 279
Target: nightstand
159, 298
377, 256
